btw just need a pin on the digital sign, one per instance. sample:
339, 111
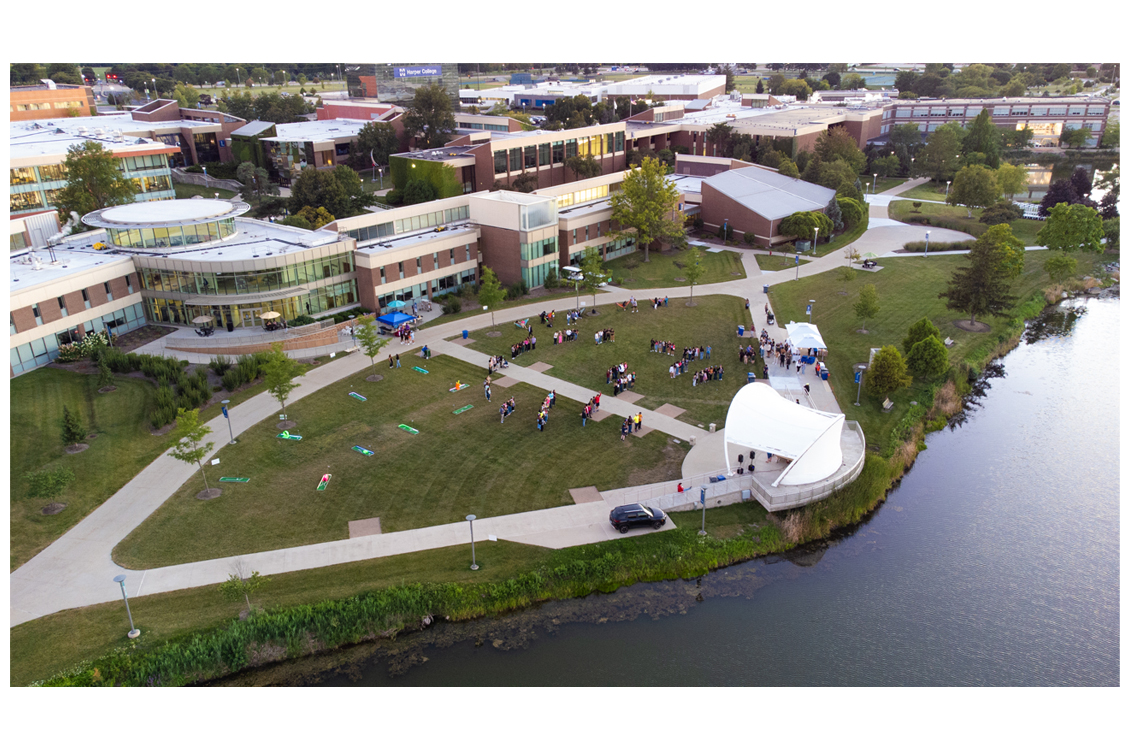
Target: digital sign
417, 71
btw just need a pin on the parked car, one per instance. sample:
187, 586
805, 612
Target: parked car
625, 517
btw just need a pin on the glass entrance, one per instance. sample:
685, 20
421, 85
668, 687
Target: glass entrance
249, 316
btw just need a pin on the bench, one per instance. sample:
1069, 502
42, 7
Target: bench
887, 405
352, 349
948, 342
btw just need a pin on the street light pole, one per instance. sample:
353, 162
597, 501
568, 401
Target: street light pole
875, 184
133, 632
815, 234
948, 189
927, 248
702, 499
859, 386
224, 406
471, 520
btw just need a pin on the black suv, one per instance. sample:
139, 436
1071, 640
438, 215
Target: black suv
627, 516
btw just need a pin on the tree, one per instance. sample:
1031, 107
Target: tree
1074, 137
241, 586
928, 358
490, 291
796, 87
940, 158
73, 430
1060, 191
48, 483
421, 191
846, 275
1071, 227
760, 86
369, 341
719, 136
887, 372
1012, 178
339, 191
188, 440
186, 96
592, 271
583, 167
923, 329
838, 143
376, 141
647, 203
694, 269
852, 82
833, 79
64, 73
867, 306
851, 211
982, 137
1060, 267
26, 73
886, 166
832, 211
93, 181
429, 118
802, 223
105, 376
1111, 135
314, 217
982, 286
1111, 232
728, 71
775, 82
279, 374
974, 187
788, 167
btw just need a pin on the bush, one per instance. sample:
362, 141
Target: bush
301, 320
1001, 213
551, 280
918, 247
749, 238
232, 379
220, 364
49, 482
452, 304
928, 357
517, 291
698, 223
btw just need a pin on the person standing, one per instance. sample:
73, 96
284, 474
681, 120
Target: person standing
398, 360
639, 421
596, 401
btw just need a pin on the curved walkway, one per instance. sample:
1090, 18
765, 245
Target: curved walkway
77, 570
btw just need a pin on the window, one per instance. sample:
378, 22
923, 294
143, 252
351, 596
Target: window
515, 160
129, 284
22, 176
109, 294
620, 140
451, 259
11, 325
38, 317
558, 152
86, 299
543, 154
531, 161
52, 172
468, 249
382, 274
499, 162
435, 261
400, 267
24, 201
570, 148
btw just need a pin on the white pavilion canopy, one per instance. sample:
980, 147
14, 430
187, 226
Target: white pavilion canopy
804, 336
761, 419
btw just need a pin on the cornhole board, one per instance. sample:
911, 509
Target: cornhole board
408, 429
235, 479
461, 387
363, 451
462, 409
358, 396
325, 482
285, 435
420, 369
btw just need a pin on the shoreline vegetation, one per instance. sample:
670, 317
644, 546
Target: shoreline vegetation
379, 607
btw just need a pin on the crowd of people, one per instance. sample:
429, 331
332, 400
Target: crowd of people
632, 423
506, 409
619, 378
605, 334
527, 344
713, 372
543, 413
592, 407
496, 363
560, 337
405, 333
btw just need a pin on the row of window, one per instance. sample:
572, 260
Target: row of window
609, 250
291, 275
582, 196
58, 172
1001, 111
539, 249
556, 152
420, 291
193, 234
35, 106
482, 126
535, 275
466, 257
43, 350
63, 305
247, 314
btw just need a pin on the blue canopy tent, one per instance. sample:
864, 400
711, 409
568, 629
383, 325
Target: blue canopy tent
395, 319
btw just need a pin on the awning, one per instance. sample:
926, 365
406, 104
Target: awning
244, 299
804, 336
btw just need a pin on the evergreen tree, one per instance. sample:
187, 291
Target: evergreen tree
887, 372
928, 358
982, 286
983, 137
73, 430
833, 212
919, 331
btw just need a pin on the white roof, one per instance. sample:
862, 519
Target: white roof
168, 211
805, 336
317, 130
770, 194
761, 419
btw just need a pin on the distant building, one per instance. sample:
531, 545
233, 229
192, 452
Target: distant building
49, 100
397, 83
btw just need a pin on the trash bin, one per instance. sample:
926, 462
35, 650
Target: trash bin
824, 374
750, 377
465, 334
765, 289
741, 330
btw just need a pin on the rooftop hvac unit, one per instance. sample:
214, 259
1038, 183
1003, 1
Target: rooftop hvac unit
82, 130
100, 133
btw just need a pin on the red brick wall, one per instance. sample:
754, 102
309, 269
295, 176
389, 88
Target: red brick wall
367, 281
119, 288
24, 319
97, 294
717, 208
502, 253
49, 311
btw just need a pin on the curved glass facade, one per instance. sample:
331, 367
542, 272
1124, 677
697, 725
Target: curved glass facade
193, 234
249, 282
248, 314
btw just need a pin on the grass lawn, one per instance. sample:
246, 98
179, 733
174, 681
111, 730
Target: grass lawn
185, 190
908, 290
42, 647
779, 261
927, 191
123, 447
713, 321
667, 269
471, 305
843, 240
886, 183
1024, 229
457, 464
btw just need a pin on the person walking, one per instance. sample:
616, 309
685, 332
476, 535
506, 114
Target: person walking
596, 401
639, 421
391, 364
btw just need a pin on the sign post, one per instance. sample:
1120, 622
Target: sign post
859, 385
224, 408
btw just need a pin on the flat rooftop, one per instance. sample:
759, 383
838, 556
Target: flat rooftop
375, 247
75, 257
317, 130
439, 154
36, 144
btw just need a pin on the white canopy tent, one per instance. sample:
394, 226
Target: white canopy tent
761, 419
804, 336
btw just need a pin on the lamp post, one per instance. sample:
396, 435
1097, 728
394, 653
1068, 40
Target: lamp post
927, 248
859, 381
352, 331
948, 189
471, 520
875, 184
702, 499
815, 234
121, 581
224, 408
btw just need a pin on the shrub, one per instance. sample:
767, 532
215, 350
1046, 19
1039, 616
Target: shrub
517, 291
919, 331
928, 357
452, 304
1001, 213
551, 280
918, 247
301, 320
220, 364
698, 223
48, 483
749, 238
233, 379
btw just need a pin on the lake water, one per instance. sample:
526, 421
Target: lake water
995, 562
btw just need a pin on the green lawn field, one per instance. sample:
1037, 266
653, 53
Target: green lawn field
667, 269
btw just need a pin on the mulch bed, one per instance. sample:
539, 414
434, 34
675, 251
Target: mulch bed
53, 509
286, 424
976, 327
211, 494
127, 342
73, 449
